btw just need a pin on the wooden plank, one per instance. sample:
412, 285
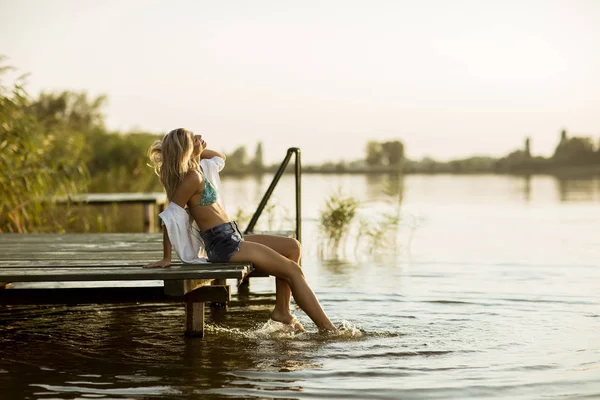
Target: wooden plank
107, 295
114, 198
125, 272
138, 263
96, 239
90, 295
57, 246
257, 274
74, 256
68, 238
26, 253
182, 287
116, 262
74, 238
56, 241
26, 244
214, 293
80, 259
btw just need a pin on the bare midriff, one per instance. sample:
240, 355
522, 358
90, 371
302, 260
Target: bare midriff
207, 217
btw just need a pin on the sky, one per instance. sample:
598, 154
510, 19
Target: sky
450, 79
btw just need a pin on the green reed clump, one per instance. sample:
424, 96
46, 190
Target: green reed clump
335, 221
39, 161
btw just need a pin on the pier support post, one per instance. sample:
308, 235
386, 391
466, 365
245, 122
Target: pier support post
149, 217
194, 317
244, 286
216, 304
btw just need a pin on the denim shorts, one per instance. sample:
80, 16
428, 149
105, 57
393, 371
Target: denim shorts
222, 241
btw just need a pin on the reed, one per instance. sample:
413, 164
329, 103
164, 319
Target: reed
37, 163
335, 221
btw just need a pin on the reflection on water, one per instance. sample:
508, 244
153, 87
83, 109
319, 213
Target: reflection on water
249, 189
495, 297
389, 185
140, 350
587, 190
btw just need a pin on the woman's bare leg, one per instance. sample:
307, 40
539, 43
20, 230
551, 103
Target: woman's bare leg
289, 248
269, 261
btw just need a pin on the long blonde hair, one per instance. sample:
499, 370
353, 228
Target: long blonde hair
172, 157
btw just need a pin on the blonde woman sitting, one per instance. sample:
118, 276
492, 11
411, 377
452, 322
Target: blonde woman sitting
190, 175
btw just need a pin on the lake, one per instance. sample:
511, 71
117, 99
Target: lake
488, 288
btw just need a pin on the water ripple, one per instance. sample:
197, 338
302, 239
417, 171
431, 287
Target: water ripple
125, 391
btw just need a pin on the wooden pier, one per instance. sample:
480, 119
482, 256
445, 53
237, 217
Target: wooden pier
153, 203
106, 269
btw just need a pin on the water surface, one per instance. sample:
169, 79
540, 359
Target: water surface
491, 292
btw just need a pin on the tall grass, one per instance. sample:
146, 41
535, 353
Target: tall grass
374, 229
37, 164
335, 221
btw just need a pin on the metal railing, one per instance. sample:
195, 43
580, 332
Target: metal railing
269, 192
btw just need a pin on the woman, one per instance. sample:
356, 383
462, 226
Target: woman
185, 167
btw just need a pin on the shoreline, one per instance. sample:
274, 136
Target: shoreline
563, 172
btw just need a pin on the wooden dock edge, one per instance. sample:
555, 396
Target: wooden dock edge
181, 287
194, 300
107, 295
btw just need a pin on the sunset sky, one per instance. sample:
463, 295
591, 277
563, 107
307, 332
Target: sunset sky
449, 78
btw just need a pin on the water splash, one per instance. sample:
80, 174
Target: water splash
269, 330
348, 330
277, 330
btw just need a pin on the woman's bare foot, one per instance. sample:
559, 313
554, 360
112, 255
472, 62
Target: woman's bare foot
287, 319
328, 329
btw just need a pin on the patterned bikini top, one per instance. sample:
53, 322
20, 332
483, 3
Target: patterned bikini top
209, 195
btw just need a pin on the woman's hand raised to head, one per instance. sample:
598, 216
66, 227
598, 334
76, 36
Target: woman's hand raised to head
206, 153
164, 263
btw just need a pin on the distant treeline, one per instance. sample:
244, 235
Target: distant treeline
572, 156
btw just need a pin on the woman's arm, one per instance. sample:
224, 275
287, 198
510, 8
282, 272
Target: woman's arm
166, 261
206, 153
166, 248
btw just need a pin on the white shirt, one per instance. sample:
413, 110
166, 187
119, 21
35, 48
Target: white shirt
183, 231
